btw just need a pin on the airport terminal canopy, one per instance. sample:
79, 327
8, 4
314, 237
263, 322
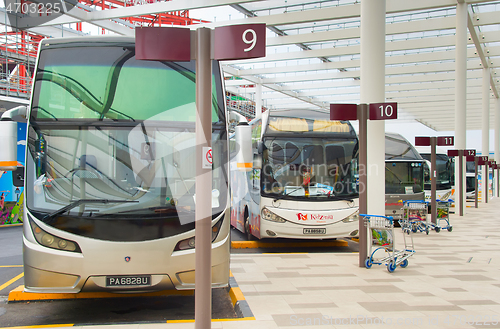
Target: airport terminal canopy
313, 50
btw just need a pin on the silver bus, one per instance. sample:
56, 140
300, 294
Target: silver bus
110, 171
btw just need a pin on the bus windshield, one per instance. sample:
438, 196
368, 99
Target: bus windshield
404, 177
105, 126
309, 167
443, 170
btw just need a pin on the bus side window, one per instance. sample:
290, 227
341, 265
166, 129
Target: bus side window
256, 132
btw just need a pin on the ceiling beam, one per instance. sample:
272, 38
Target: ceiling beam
485, 61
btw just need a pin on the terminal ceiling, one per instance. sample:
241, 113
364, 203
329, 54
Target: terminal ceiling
313, 52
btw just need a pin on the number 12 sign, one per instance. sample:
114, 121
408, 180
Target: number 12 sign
240, 41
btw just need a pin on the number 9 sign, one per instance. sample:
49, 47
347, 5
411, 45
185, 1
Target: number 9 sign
240, 41
253, 41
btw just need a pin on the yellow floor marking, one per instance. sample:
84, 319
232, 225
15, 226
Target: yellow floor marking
8, 283
11, 265
213, 320
42, 326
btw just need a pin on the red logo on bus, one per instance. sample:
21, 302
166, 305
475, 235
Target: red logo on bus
302, 216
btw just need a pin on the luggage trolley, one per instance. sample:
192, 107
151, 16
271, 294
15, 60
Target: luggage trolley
415, 216
443, 215
381, 235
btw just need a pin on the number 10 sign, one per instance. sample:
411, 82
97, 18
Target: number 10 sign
383, 111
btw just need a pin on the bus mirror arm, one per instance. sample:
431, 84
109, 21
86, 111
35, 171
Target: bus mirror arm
257, 161
17, 114
260, 147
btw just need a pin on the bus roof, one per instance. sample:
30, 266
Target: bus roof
399, 148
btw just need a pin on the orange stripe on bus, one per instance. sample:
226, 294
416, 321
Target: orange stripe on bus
8, 163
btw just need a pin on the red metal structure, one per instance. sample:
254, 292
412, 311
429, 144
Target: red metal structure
18, 49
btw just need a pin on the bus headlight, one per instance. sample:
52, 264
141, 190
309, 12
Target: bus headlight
190, 242
269, 215
352, 218
51, 241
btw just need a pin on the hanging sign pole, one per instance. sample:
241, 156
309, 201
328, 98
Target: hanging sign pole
363, 112
174, 44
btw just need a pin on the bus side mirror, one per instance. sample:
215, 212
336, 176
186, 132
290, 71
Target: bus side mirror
260, 147
18, 177
17, 114
8, 136
257, 161
8, 151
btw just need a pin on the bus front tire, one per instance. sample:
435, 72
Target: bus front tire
247, 228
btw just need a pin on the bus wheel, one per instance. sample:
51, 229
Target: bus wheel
247, 228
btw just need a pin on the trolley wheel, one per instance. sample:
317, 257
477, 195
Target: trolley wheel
404, 263
427, 230
438, 229
368, 263
391, 267
450, 228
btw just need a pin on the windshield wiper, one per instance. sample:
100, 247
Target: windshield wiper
281, 196
331, 195
76, 203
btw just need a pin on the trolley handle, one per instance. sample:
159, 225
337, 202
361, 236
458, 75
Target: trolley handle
414, 201
389, 218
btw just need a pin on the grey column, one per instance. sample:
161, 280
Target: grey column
203, 207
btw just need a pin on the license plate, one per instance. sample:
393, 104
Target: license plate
129, 280
314, 231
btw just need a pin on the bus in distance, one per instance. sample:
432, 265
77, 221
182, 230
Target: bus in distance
404, 174
445, 174
303, 183
110, 171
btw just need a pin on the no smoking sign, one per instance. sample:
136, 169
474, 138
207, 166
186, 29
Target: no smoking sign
207, 158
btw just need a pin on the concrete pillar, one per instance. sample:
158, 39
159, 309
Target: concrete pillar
485, 145
460, 89
258, 100
373, 91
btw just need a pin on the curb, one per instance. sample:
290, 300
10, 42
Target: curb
18, 295
260, 244
240, 304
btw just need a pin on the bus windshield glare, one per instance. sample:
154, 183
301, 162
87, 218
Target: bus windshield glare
112, 128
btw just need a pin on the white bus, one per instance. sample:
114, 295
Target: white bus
304, 180
110, 171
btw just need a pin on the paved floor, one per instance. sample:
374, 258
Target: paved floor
452, 281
